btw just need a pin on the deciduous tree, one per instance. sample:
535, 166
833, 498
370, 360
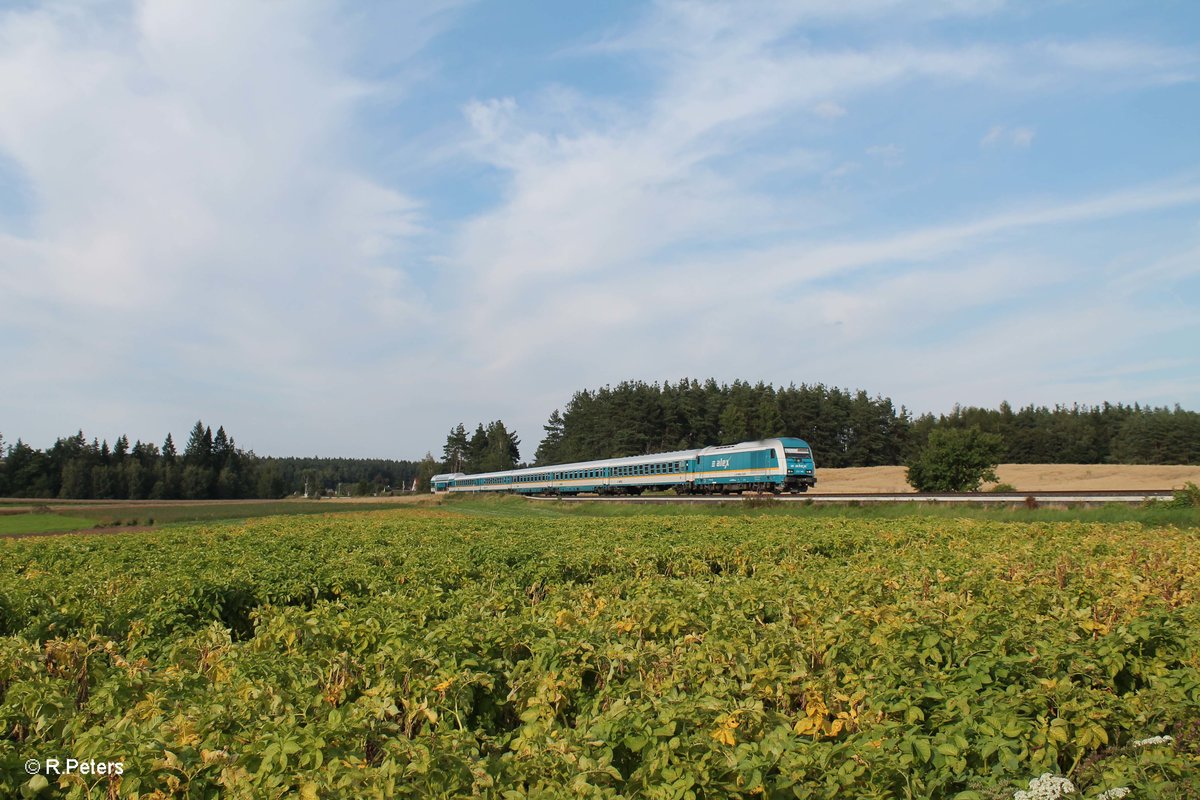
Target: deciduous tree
956, 460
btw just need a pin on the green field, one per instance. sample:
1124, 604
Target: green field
24, 524
64, 517
475, 652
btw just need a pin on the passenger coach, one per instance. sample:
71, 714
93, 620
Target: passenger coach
770, 465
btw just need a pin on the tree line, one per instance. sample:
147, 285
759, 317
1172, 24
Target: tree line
845, 428
211, 466
490, 449
853, 429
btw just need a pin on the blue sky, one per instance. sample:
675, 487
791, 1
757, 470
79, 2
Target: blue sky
341, 229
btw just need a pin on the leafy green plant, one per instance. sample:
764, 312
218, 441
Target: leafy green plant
955, 460
427, 653
1187, 497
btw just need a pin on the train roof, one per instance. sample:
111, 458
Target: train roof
649, 458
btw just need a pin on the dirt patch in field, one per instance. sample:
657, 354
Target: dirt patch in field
424, 497
1023, 477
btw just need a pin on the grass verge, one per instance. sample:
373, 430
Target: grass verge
21, 524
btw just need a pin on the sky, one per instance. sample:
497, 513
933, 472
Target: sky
340, 229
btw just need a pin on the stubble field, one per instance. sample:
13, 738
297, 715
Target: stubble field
1024, 478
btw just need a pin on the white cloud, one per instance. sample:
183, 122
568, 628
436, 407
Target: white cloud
890, 154
1134, 60
1020, 136
829, 110
197, 209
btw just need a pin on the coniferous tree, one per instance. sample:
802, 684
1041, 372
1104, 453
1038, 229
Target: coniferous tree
222, 448
169, 485
477, 450
733, 425
454, 454
503, 448
199, 446
548, 450
768, 421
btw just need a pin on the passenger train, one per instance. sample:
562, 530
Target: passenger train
769, 465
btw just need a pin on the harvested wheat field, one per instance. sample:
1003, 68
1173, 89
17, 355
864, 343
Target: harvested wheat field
1023, 477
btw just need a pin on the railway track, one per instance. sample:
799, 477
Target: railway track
990, 498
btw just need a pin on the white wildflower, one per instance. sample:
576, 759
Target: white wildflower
1113, 794
1153, 740
1046, 787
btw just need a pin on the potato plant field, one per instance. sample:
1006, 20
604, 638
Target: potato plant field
423, 653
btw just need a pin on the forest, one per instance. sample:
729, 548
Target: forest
845, 428
852, 429
211, 466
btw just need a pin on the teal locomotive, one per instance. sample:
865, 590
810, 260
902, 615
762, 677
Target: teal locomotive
768, 465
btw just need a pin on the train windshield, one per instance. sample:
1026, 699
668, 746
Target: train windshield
798, 452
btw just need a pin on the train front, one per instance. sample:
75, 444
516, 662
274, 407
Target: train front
801, 470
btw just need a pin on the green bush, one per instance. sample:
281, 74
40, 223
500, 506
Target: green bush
1187, 497
956, 460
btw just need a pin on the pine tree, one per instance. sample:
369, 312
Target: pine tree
454, 454
503, 448
548, 450
199, 446
222, 449
477, 450
768, 422
733, 425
